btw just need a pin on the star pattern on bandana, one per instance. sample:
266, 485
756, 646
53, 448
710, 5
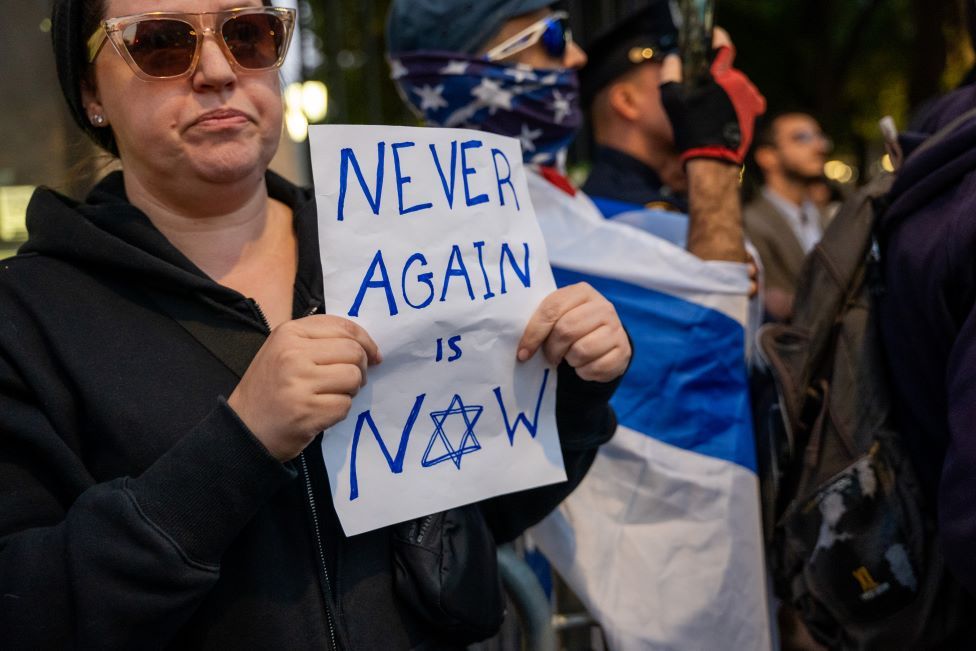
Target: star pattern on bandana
455, 68
397, 69
492, 95
431, 97
528, 137
549, 79
521, 74
469, 442
561, 105
537, 106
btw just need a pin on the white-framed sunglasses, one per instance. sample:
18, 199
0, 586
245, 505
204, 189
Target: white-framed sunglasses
166, 45
553, 31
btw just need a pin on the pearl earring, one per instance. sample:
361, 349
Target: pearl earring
98, 120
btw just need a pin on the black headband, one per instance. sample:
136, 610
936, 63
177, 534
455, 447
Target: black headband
69, 57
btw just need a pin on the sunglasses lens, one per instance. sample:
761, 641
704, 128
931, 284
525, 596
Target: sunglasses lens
161, 47
554, 38
255, 40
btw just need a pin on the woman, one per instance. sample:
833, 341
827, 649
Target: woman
138, 506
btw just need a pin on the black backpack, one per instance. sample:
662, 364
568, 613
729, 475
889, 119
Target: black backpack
850, 542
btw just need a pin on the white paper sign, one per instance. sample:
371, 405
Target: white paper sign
430, 242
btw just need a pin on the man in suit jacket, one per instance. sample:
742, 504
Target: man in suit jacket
782, 222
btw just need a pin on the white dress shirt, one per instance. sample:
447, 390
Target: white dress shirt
803, 219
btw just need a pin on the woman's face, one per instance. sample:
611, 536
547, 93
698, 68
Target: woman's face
218, 125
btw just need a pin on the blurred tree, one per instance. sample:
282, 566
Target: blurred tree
851, 62
348, 38
847, 61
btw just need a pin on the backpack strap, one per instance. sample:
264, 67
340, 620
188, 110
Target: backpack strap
229, 340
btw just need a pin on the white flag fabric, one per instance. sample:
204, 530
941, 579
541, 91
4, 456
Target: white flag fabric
662, 540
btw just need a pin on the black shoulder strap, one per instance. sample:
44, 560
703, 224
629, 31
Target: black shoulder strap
229, 340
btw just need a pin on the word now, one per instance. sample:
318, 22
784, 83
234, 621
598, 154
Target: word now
418, 161
417, 287
395, 462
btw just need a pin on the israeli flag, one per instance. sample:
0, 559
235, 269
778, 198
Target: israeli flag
662, 540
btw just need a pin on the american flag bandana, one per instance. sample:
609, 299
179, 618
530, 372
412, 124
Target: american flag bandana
538, 106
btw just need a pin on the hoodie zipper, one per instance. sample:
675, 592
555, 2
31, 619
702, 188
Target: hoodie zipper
318, 544
327, 589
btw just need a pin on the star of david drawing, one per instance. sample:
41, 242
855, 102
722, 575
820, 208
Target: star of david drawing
469, 442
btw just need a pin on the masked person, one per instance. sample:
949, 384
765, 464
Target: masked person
509, 67
165, 364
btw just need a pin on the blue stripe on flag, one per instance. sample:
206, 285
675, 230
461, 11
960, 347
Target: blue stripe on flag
666, 224
687, 383
611, 207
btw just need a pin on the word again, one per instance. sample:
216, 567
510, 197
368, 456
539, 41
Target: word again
464, 160
440, 442
417, 288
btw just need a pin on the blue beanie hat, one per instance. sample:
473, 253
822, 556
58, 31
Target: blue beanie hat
450, 25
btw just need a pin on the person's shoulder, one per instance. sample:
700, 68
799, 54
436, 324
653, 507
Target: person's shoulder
25, 289
18, 267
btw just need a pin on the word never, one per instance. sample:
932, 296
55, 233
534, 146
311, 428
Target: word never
374, 196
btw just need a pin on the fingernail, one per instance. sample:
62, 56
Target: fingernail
523, 354
379, 356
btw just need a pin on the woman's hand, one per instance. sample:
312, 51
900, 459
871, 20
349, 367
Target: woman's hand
577, 324
302, 381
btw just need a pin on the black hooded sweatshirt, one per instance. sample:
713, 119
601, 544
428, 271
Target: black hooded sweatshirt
928, 320
136, 509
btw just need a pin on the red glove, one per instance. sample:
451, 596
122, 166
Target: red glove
716, 119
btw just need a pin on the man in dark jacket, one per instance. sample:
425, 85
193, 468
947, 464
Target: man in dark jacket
928, 317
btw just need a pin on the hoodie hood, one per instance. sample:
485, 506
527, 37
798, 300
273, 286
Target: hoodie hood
106, 234
929, 172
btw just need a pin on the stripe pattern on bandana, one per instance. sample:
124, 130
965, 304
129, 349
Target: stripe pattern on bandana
540, 107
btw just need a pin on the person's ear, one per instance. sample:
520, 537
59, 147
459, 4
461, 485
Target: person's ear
622, 96
92, 103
